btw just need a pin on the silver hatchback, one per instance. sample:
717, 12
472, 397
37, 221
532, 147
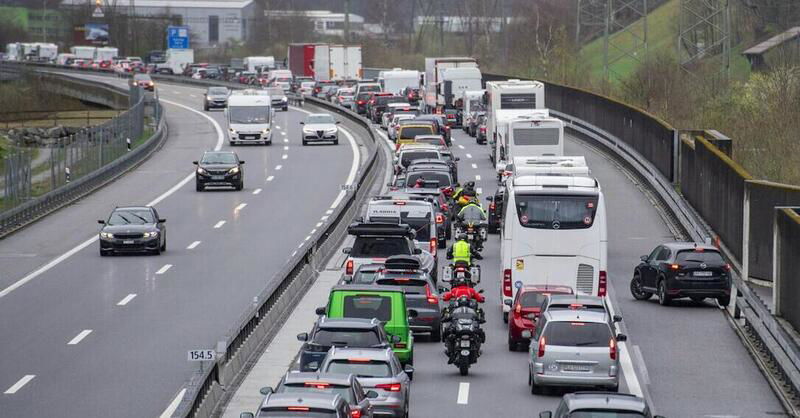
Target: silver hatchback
574, 348
376, 369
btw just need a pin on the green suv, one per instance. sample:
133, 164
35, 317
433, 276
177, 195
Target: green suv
386, 303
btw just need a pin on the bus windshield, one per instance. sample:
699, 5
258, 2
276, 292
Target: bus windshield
556, 211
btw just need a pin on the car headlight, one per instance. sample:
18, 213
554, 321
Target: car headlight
150, 234
307, 130
233, 131
106, 235
201, 170
233, 170
265, 131
331, 131
285, 99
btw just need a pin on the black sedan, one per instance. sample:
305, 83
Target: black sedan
219, 168
216, 98
682, 269
133, 229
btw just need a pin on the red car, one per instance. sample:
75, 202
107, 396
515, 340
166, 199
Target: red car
525, 308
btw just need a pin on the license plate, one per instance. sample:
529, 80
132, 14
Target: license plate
470, 236
703, 273
465, 343
576, 368
128, 241
217, 177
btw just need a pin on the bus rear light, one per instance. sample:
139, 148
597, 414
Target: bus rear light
602, 288
507, 282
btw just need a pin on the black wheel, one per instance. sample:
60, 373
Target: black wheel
305, 143
103, 253
442, 243
448, 233
463, 369
512, 345
199, 187
636, 288
535, 389
205, 108
505, 317
164, 244
436, 333
240, 186
724, 301
613, 388
231, 143
157, 251
336, 142
663, 298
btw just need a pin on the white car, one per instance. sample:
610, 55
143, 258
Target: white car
320, 127
387, 114
391, 130
306, 88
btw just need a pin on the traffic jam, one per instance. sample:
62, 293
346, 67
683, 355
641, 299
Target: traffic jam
412, 276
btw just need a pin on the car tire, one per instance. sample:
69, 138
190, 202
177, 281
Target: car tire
231, 143
305, 143
663, 298
240, 186
336, 141
436, 333
157, 251
724, 301
614, 389
463, 369
636, 288
512, 345
535, 389
205, 108
505, 317
104, 253
199, 187
442, 243
164, 244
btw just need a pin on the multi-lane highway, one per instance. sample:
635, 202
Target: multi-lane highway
89, 336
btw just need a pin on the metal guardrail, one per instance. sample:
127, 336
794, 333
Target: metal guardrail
109, 136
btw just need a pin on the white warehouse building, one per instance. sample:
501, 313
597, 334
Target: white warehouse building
210, 22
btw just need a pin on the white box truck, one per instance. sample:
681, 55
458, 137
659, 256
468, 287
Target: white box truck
44, 52
397, 80
106, 53
259, 64
14, 51
434, 93
83, 52
345, 62
177, 60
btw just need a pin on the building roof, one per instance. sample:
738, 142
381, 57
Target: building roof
178, 4
314, 15
770, 43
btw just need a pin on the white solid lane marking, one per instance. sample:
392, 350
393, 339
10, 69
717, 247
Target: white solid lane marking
256, 191
240, 207
78, 338
284, 156
173, 405
307, 238
463, 393
219, 224
477, 177
164, 269
324, 218
294, 254
193, 245
469, 155
128, 298
20, 383
474, 165
353, 168
36, 273
286, 140
278, 167
628, 373
460, 146
270, 178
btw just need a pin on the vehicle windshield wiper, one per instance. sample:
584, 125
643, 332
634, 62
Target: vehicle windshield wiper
143, 219
127, 221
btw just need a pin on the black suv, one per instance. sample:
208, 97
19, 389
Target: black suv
342, 332
219, 168
133, 229
682, 269
495, 212
421, 294
378, 103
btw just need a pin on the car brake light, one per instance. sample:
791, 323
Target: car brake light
483, 129
349, 267
432, 299
492, 206
355, 413
439, 218
612, 348
461, 269
433, 246
400, 203
400, 345
541, 346
507, 282
517, 310
358, 360
602, 287
389, 387
298, 408
445, 207
318, 385
726, 267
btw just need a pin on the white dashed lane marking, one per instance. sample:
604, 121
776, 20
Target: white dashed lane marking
193, 245
463, 393
256, 191
20, 383
474, 165
219, 224
78, 338
270, 178
128, 298
240, 207
164, 269
278, 167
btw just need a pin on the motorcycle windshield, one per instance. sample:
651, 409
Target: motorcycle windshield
472, 214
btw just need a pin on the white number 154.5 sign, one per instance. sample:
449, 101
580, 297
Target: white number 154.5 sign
202, 355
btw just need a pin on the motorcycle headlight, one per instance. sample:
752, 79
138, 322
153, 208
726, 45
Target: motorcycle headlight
150, 234
106, 235
233, 170
201, 170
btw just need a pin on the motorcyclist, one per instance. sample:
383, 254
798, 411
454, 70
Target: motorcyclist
467, 209
461, 308
466, 194
463, 288
461, 251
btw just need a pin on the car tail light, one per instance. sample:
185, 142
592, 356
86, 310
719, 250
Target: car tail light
358, 360
612, 348
433, 246
602, 287
349, 267
517, 311
400, 345
726, 267
542, 344
361, 102
298, 408
432, 299
447, 127
439, 218
492, 206
389, 387
355, 413
444, 206
318, 385
507, 282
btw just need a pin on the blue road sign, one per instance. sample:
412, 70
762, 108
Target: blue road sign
178, 37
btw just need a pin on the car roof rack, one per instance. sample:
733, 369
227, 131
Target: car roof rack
381, 228
402, 262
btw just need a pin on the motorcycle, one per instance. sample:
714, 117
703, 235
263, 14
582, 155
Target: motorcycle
463, 335
460, 271
476, 232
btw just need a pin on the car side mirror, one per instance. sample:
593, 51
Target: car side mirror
320, 310
417, 251
545, 414
246, 415
162, 220
371, 394
303, 336
622, 338
508, 302
409, 369
457, 159
395, 339
412, 313
617, 318
266, 390
338, 122
346, 250
302, 123
101, 222
643, 258
241, 162
527, 334
481, 291
195, 163
441, 289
